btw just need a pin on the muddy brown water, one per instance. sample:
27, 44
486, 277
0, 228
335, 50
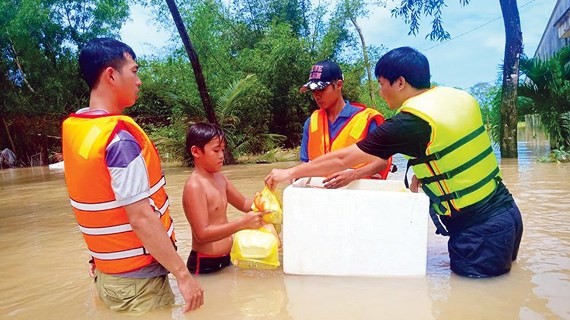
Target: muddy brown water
43, 260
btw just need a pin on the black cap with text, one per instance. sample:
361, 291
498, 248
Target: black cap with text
322, 74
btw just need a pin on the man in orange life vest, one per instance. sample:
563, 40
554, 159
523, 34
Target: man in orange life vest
116, 187
337, 124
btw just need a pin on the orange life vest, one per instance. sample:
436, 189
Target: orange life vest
355, 129
102, 219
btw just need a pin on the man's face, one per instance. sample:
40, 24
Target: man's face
390, 92
326, 97
128, 82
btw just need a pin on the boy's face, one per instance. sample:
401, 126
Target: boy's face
328, 96
127, 82
211, 158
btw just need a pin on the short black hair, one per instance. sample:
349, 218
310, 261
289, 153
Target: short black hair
404, 62
199, 134
100, 53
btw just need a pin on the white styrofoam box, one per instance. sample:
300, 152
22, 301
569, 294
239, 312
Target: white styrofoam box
368, 228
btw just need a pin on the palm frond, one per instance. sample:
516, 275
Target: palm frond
226, 103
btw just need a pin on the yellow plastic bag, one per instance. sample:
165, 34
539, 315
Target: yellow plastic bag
267, 201
255, 249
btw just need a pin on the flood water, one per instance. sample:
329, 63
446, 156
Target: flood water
43, 260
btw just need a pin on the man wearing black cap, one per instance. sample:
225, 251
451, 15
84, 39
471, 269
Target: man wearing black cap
337, 124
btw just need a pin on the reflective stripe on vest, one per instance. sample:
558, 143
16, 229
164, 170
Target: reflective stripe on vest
115, 203
102, 219
123, 227
131, 253
459, 168
355, 129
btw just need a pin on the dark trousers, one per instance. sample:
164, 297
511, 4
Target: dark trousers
488, 248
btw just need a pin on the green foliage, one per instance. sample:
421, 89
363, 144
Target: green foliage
170, 140
494, 120
254, 55
547, 85
486, 95
412, 12
557, 155
39, 81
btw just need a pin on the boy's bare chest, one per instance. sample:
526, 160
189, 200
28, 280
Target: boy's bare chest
217, 199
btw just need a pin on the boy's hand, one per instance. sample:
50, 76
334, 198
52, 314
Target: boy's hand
253, 220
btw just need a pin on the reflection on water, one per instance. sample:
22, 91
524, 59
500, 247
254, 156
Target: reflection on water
44, 261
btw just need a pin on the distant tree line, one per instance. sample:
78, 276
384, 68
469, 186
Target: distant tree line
254, 54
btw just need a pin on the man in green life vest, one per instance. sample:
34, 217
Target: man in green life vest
441, 132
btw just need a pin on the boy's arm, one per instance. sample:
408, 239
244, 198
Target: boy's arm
196, 210
236, 199
149, 230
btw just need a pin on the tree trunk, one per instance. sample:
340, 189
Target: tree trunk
513, 50
8, 134
200, 81
365, 56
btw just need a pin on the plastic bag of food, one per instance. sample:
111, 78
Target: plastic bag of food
267, 201
255, 249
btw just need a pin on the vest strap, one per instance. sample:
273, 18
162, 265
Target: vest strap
439, 228
440, 154
468, 190
452, 173
406, 183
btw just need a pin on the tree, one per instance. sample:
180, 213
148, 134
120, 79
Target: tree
412, 10
201, 82
273, 40
513, 51
39, 81
354, 9
547, 84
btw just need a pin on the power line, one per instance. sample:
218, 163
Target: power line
474, 29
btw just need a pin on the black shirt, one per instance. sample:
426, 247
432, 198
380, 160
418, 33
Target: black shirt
403, 133
408, 134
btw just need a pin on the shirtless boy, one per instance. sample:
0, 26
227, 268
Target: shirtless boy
205, 200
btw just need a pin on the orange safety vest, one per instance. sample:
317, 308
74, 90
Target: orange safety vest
354, 130
102, 219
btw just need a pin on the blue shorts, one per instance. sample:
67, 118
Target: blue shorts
488, 248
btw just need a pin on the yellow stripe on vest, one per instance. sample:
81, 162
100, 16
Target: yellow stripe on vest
90, 138
314, 124
358, 128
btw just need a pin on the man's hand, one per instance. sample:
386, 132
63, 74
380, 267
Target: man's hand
277, 176
191, 291
415, 184
150, 231
91, 268
339, 179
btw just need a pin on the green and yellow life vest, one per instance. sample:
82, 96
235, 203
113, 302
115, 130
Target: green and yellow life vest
459, 168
